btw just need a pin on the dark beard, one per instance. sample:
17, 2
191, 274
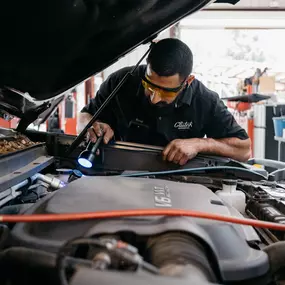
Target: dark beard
160, 108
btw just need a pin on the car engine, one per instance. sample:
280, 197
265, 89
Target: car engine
206, 238
136, 248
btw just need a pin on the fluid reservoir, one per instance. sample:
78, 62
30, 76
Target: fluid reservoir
230, 195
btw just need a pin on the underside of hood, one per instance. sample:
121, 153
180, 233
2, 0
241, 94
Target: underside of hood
48, 47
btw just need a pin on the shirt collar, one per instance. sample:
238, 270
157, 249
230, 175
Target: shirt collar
185, 97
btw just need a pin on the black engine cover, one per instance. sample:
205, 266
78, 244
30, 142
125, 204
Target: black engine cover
228, 242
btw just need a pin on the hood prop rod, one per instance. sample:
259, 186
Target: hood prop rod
81, 135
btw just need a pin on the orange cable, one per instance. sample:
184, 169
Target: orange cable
134, 213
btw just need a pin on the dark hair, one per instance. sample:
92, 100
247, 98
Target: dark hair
171, 56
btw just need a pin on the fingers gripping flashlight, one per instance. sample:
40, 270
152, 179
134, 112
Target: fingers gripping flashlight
87, 156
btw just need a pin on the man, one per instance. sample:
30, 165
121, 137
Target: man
163, 104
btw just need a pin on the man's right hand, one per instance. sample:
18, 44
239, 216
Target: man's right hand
100, 129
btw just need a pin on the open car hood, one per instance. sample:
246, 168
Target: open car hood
48, 47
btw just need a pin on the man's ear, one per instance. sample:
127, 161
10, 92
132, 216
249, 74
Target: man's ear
190, 79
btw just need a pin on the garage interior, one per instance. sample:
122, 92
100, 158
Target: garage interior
76, 211
229, 43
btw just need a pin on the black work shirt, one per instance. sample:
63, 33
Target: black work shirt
196, 112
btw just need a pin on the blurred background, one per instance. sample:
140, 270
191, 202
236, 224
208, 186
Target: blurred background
238, 51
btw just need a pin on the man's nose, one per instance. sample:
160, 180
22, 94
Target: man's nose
155, 98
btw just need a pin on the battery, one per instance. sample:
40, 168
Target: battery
268, 213
280, 205
279, 234
271, 214
257, 209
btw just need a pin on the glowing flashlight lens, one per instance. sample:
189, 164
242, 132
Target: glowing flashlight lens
84, 162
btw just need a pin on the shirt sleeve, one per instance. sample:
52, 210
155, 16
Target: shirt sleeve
107, 115
221, 123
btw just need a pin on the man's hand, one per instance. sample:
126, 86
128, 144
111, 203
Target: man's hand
180, 151
100, 129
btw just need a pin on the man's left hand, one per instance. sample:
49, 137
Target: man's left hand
180, 151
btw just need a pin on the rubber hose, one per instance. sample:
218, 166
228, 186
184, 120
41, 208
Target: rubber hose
28, 257
179, 254
276, 255
4, 234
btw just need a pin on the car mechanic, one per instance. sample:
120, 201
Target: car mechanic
162, 104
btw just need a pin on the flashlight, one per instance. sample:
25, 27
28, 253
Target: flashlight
87, 156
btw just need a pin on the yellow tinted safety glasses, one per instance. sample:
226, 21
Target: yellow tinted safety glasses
163, 92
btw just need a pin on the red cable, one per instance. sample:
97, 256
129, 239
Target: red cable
137, 212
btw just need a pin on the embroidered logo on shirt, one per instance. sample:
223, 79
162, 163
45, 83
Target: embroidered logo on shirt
183, 125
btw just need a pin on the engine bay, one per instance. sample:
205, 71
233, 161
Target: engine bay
118, 241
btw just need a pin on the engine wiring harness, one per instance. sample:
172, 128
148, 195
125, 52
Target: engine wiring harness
102, 260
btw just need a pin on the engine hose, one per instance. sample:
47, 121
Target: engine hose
137, 213
276, 254
32, 258
27, 264
4, 235
177, 254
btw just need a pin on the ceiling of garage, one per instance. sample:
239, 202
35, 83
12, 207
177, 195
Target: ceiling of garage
251, 4
235, 19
